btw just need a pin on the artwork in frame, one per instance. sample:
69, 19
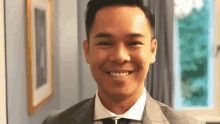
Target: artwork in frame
40, 67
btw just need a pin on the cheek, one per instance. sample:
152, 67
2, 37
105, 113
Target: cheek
98, 56
142, 57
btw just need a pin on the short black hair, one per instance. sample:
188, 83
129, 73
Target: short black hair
94, 5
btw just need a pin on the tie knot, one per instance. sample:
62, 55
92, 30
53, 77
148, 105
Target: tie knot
124, 121
119, 121
108, 121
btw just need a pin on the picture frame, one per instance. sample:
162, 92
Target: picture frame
40, 67
3, 81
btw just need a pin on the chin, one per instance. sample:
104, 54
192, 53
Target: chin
119, 92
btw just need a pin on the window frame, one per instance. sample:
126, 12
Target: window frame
208, 114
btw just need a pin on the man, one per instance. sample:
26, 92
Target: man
120, 46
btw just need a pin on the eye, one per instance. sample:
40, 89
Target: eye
134, 43
104, 43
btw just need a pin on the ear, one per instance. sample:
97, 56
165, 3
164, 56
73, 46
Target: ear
86, 50
153, 51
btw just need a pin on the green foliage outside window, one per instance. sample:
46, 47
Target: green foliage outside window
194, 39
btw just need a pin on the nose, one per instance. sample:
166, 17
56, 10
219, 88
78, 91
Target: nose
119, 54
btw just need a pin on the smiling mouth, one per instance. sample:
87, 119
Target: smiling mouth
119, 74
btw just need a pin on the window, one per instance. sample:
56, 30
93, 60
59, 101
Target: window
196, 67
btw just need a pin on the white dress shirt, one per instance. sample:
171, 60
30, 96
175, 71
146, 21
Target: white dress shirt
134, 113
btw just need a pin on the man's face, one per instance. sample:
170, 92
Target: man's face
120, 41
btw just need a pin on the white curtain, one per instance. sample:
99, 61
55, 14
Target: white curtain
160, 79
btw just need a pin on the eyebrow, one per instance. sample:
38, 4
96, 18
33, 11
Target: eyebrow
108, 35
99, 35
134, 35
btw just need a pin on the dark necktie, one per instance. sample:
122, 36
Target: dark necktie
120, 121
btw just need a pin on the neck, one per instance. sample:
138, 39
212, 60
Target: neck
119, 104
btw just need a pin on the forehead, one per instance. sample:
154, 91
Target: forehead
120, 20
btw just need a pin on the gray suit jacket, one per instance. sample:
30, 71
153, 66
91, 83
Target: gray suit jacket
155, 113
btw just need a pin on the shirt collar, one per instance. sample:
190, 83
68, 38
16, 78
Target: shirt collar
134, 113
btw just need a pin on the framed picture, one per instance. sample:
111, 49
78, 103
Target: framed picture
40, 76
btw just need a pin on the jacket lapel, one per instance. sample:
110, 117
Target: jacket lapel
152, 113
85, 114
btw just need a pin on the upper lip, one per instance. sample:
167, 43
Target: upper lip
120, 71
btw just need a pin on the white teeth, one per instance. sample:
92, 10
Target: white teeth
119, 74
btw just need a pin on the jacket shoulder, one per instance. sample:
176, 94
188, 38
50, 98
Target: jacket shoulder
175, 117
64, 115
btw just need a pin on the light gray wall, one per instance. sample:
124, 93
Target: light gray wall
87, 83
68, 43
65, 61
